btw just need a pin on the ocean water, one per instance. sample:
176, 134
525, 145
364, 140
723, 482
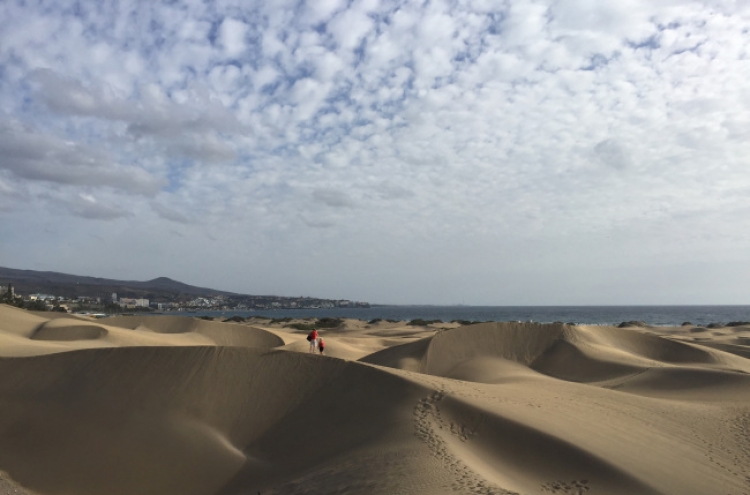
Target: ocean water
591, 315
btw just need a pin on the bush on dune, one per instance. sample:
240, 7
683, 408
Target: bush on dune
235, 319
419, 322
325, 322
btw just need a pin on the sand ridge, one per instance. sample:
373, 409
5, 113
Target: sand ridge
178, 405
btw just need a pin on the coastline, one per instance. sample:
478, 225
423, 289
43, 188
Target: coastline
584, 315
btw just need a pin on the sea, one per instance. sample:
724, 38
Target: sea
586, 315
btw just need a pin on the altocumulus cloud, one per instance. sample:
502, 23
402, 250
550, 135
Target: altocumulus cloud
470, 134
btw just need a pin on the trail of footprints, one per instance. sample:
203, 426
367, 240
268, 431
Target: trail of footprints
575, 487
741, 428
426, 413
721, 447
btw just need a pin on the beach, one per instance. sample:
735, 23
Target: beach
171, 405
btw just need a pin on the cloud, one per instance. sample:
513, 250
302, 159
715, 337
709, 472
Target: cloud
612, 154
191, 128
388, 190
88, 207
318, 223
35, 156
333, 198
232, 35
170, 214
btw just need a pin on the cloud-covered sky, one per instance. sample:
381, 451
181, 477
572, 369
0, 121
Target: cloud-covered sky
477, 152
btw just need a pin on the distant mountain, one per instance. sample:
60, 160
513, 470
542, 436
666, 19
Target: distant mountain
66, 285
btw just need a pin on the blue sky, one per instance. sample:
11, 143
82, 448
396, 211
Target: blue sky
509, 152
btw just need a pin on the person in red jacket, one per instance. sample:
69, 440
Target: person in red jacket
313, 338
321, 345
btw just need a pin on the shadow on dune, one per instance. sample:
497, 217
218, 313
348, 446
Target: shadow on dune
67, 329
183, 420
515, 455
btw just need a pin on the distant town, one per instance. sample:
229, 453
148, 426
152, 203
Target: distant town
114, 303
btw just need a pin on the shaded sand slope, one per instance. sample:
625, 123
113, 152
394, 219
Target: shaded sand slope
168, 420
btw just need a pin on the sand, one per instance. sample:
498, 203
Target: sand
175, 405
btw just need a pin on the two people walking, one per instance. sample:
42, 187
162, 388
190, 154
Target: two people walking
316, 341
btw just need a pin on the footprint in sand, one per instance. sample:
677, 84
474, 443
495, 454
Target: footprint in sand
427, 418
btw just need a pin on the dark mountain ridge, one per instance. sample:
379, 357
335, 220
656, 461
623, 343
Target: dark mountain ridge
66, 285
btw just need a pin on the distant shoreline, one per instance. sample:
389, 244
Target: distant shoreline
587, 315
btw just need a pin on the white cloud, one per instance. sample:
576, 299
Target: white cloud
232, 35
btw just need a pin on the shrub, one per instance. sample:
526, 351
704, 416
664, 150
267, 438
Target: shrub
36, 305
626, 324
375, 320
300, 326
463, 322
285, 319
328, 322
207, 318
419, 322
235, 318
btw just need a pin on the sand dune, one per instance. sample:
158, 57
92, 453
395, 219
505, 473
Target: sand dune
176, 405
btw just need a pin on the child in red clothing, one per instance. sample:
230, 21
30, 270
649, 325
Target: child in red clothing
321, 345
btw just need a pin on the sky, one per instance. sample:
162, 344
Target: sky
475, 152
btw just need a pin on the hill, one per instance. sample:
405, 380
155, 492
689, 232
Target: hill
71, 286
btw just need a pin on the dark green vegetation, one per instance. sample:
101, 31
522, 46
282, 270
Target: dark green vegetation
419, 322
319, 323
